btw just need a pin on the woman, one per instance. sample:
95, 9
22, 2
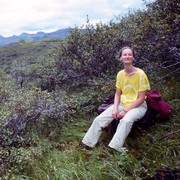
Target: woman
129, 103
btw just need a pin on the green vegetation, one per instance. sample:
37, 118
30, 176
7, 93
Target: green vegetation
50, 91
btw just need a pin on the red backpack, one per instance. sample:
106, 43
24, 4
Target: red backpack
154, 101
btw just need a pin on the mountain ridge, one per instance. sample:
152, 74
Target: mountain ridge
61, 33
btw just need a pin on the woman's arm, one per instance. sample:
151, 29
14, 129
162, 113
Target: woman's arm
139, 101
116, 103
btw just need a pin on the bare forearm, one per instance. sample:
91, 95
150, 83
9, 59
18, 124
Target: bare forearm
134, 105
137, 103
117, 99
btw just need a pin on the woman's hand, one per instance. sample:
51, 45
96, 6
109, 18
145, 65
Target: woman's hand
115, 114
121, 114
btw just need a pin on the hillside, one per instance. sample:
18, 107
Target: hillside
60, 34
24, 49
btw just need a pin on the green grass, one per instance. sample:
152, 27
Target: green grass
62, 158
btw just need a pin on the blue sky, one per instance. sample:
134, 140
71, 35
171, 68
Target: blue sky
18, 16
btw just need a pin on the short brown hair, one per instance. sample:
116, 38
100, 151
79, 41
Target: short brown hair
125, 47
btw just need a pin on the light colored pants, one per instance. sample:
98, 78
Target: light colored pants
123, 129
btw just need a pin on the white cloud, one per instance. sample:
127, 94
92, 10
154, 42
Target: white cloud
19, 16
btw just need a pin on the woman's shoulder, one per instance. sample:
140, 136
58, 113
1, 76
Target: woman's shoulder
120, 73
140, 71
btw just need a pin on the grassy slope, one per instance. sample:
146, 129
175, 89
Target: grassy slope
63, 159
21, 51
67, 161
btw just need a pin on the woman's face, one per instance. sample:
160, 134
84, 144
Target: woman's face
127, 56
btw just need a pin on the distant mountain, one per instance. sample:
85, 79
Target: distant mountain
61, 33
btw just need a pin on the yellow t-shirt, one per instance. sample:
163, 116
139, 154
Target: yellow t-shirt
131, 85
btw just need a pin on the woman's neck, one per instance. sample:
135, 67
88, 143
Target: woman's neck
130, 70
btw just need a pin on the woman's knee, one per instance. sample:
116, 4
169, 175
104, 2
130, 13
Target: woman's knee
98, 121
135, 114
102, 121
127, 122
